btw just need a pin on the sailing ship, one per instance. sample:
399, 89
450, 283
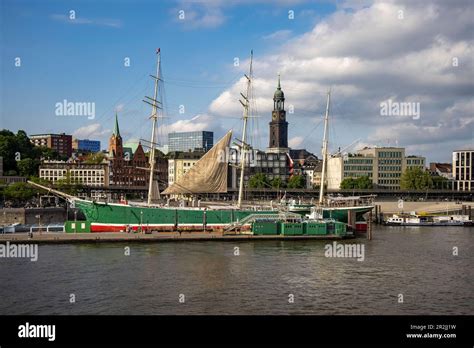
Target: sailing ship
209, 175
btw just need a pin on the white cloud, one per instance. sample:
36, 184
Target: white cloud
197, 16
295, 142
91, 131
278, 35
106, 22
367, 54
197, 123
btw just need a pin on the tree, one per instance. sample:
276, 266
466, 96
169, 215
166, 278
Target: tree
94, 158
68, 185
8, 150
20, 191
277, 183
364, 182
16, 148
43, 152
28, 167
348, 184
416, 179
258, 180
297, 181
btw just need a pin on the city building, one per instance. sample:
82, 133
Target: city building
180, 163
190, 141
86, 145
129, 165
312, 172
278, 141
444, 170
302, 156
463, 172
415, 161
273, 165
383, 165
61, 143
278, 161
96, 175
389, 165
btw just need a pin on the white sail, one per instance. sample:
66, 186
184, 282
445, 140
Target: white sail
209, 174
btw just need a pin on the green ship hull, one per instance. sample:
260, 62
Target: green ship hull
110, 217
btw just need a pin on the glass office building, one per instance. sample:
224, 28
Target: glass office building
190, 141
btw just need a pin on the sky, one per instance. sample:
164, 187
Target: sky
369, 53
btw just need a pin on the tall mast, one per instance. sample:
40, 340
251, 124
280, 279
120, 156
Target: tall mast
246, 105
325, 150
156, 104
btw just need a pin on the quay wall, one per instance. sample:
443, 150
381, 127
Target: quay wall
10, 216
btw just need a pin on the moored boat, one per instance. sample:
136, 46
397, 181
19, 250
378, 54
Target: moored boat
428, 220
208, 175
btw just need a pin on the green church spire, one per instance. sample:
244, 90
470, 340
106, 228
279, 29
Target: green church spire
117, 129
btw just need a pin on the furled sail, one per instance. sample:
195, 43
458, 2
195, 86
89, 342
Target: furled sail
209, 174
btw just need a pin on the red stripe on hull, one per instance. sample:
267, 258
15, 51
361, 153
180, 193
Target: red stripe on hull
106, 228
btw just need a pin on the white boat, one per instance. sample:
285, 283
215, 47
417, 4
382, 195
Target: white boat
428, 220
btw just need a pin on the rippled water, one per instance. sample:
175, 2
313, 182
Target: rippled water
415, 262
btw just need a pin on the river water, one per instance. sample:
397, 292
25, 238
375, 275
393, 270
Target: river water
267, 277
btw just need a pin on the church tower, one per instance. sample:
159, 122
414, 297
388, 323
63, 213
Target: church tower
278, 124
115, 142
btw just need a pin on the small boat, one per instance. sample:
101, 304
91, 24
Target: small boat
428, 220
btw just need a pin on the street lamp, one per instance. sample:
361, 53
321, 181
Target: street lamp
141, 220
39, 222
75, 221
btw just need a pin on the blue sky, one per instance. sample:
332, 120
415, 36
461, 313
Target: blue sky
342, 44
62, 59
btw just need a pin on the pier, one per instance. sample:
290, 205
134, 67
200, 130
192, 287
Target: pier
386, 208
109, 237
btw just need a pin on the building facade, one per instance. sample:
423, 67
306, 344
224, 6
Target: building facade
415, 162
179, 163
463, 172
86, 145
273, 165
190, 141
96, 175
444, 170
383, 165
278, 141
127, 168
388, 166
61, 143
